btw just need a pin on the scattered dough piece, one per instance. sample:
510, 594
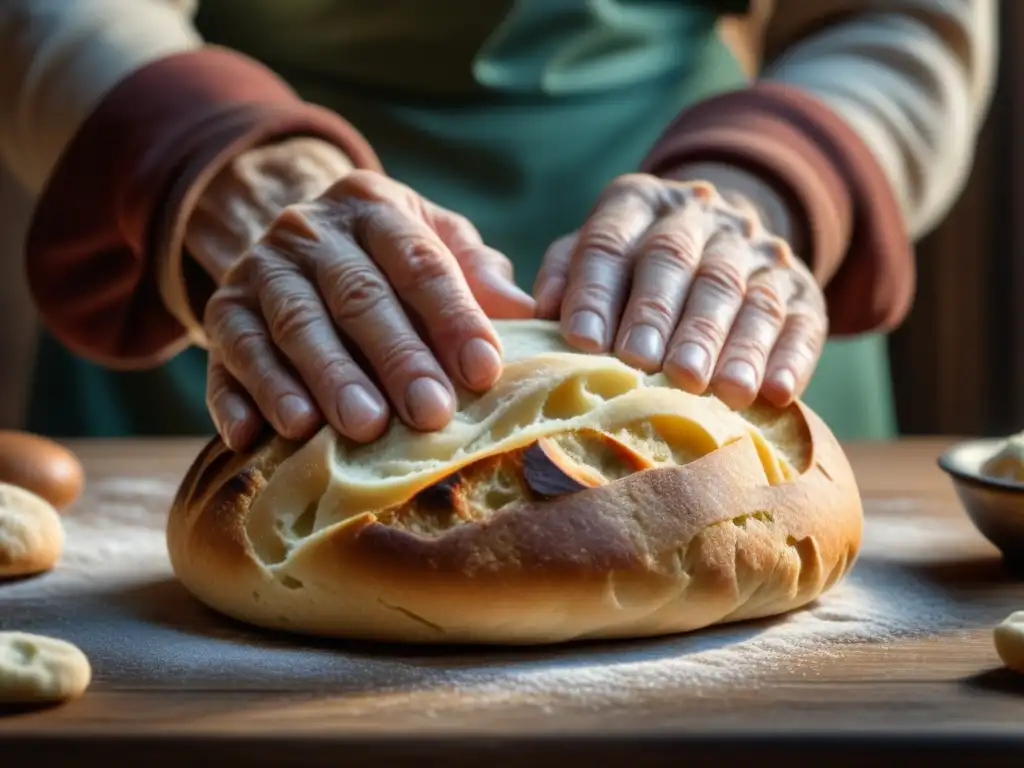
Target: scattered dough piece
31, 534
1009, 638
37, 669
1008, 462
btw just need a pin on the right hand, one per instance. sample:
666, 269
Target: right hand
365, 301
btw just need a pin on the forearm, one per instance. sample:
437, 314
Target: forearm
104, 251
863, 126
238, 207
912, 78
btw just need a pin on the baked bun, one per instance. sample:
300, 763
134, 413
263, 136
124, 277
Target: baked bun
578, 498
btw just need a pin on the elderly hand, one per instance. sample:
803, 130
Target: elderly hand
671, 276
368, 299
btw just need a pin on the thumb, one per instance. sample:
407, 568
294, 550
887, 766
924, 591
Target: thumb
488, 272
489, 276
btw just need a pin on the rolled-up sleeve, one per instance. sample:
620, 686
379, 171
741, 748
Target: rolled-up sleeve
913, 78
865, 115
121, 116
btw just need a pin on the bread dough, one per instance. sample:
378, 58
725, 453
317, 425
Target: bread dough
31, 534
578, 498
1009, 639
1008, 462
37, 669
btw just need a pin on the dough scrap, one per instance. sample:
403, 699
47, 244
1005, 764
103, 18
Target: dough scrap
1008, 462
1009, 640
38, 669
31, 534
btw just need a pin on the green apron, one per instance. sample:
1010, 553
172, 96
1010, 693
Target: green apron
514, 114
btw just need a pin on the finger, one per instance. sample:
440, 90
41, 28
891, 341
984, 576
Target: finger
245, 348
712, 303
488, 272
741, 367
601, 269
668, 256
429, 281
304, 332
549, 287
237, 419
795, 355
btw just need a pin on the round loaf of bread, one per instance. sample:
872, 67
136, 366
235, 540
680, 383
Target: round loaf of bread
577, 498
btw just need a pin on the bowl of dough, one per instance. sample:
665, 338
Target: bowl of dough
988, 475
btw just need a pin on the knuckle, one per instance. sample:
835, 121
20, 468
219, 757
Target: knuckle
293, 227
292, 315
401, 356
673, 250
766, 300
607, 242
703, 330
589, 295
423, 261
217, 310
356, 289
336, 372
724, 278
360, 184
632, 182
753, 350
244, 345
656, 310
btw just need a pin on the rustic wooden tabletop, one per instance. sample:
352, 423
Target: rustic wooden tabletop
898, 663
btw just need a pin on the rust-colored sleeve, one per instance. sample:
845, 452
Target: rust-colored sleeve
858, 245
97, 248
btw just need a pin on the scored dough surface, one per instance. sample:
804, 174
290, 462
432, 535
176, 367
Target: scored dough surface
329, 537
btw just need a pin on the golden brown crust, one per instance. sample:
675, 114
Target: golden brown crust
31, 534
662, 550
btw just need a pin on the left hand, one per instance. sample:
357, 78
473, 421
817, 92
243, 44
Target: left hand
672, 276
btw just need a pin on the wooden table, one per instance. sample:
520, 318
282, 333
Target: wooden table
938, 696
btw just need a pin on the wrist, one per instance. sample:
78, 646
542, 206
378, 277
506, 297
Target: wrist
777, 214
245, 197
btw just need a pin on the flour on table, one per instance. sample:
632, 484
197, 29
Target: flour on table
113, 595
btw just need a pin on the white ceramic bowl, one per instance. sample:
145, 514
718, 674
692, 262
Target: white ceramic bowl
995, 506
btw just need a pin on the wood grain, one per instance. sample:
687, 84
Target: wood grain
940, 695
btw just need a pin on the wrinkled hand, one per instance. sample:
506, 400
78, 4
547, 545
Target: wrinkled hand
671, 276
367, 300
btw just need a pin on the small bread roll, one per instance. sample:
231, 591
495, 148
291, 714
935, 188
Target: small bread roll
1009, 640
37, 669
578, 498
37, 464
31, 534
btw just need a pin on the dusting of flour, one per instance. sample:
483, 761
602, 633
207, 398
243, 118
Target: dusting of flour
115, 549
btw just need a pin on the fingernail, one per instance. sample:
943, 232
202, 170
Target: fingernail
784, 379
428, 402
480, 363
292, 410
233, 410
588, 326
740, 372
693, 358
360, 412
232, 422
644, 341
